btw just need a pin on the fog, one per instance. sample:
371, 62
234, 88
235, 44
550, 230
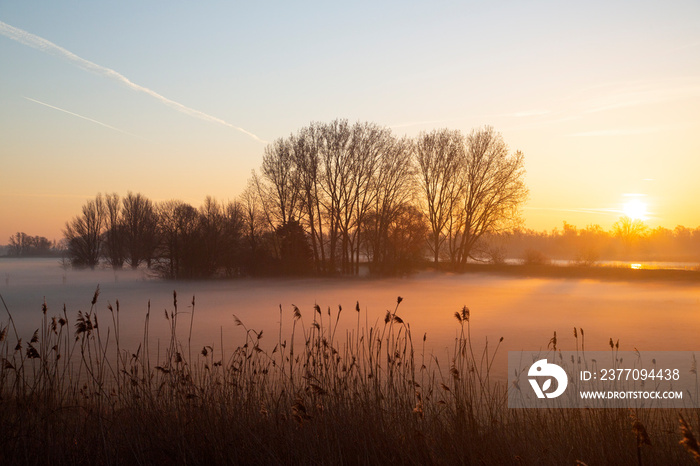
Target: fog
524, 311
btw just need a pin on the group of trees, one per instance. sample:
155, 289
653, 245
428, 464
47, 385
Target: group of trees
336, 196
118, 230
469, 186
24, 245
328, 198
350, 188
362, 194
178, 240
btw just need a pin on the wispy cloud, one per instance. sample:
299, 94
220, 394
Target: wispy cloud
615, 132
81, 116
416, 123
526, 113
632, 131
633, 94
583, 210
39, 43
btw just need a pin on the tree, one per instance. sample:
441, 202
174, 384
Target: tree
140, 226
231, 255
114, 234
469, 186
399, 244
295, 252
393, 191
629, 230
280, 171
492, 191
325, 176
84, 234
23, 245
305, 149
211, 236
372, 150
441, 160
179, 255
256, 256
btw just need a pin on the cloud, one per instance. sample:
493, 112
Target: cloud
81, 116
583, 210
526, 113
640, 93
416, 123
633, 131
615, 132
39, 43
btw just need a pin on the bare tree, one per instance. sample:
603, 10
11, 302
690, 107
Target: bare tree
255, 230
440, 159
469, 186
629, 230
211, 235
179, 255
140, 229
305, 148
279, 170
393, 188
493, 190
24, 245
84, 234
405, 246
371, 150
114, 234
334, 151
231, 253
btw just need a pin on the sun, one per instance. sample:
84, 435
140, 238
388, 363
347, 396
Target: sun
635, 209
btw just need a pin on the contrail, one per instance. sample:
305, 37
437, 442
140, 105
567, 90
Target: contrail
39, 43
81, 116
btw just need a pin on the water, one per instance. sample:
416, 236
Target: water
524, 311
635, 264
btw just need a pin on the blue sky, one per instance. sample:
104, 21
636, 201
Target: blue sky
602, 97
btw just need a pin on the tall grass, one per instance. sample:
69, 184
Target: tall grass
71, 394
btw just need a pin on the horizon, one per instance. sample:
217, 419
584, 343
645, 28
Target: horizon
180, 101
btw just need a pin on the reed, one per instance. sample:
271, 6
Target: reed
72, 394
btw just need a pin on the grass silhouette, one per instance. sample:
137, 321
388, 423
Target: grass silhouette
71, 394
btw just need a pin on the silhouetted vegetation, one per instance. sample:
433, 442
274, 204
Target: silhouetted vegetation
336, 197
471, 186
85, 234
328, 199
70, 394
628, 240
24, 245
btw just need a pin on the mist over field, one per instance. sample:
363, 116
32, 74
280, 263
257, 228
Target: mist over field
524, 311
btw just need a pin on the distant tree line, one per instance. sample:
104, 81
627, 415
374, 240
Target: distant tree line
628, 239
328, 199
24, 245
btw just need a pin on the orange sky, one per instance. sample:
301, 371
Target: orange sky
602, 99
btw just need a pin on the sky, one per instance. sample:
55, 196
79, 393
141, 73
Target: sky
177, 100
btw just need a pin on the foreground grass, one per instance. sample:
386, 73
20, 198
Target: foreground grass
72, 395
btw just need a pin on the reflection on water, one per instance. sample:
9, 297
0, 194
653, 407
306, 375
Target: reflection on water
651, 265
525, 311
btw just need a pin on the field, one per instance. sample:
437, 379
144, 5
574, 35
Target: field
319, 371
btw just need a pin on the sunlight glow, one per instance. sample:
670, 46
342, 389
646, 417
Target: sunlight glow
635, 209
